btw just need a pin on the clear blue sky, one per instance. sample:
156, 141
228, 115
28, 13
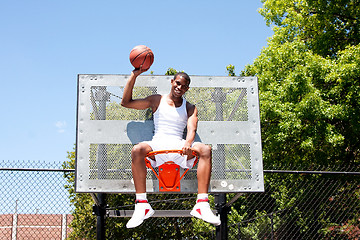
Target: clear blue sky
45, 44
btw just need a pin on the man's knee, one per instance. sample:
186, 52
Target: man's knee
140, 150
204, 150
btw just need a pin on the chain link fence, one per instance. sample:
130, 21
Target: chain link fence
301, 204
34, 202
297, 204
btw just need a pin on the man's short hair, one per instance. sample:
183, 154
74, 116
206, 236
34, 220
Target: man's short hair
184, 75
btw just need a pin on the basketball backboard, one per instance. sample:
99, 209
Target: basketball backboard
229, 121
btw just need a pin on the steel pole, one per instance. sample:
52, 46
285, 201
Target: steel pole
102, 98
219, 98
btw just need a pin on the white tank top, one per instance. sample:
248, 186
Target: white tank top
170, 121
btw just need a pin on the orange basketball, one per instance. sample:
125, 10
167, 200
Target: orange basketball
141, 55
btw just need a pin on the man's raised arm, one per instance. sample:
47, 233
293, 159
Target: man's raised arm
127, 99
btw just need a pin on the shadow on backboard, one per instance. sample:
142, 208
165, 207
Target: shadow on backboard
139, 131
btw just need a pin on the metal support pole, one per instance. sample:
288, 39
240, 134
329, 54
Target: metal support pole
102, 96
220, 204
100, 218
219, 159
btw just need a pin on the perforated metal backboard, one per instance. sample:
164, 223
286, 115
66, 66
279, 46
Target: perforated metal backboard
229, 121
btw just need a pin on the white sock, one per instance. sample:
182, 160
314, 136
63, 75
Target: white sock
202, 196
141, 196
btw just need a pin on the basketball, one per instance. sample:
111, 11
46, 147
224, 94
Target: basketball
141, 55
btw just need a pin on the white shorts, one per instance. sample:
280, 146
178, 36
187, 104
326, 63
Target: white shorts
158, 144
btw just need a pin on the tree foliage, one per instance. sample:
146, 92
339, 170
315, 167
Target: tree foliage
326, 27
309, 88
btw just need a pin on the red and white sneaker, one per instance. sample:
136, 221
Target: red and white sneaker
202, 210
143, 210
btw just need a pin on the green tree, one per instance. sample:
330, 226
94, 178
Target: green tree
231, 70
326, 27
171, 71
309, 90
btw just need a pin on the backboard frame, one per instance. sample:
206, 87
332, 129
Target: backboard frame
219, 133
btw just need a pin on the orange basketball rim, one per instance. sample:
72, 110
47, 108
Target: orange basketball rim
169, 172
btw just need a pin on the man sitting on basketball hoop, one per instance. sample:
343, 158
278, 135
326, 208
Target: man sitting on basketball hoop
172, 113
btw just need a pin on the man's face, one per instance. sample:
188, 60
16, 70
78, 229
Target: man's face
179, 86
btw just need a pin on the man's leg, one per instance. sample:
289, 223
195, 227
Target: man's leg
202, 207
138, 166
143, 209
204, 167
